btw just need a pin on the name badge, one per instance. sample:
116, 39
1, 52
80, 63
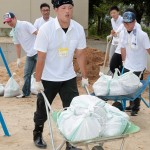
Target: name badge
63, 52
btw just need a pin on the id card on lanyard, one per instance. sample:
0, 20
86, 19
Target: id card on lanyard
63, 52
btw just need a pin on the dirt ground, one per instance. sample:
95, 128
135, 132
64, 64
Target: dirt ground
18, 113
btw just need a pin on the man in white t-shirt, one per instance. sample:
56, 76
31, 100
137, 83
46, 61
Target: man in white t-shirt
45, 11
56, 42
135, 46
116, 60
116, 21
24, 35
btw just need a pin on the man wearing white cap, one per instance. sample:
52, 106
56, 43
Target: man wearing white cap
56, 42
24, 35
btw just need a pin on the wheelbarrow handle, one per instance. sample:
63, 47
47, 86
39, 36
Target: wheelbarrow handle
46, 101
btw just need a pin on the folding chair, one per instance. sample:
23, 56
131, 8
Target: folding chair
4, 125
132, 97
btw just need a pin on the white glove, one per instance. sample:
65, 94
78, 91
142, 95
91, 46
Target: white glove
18, 62
123, 62
109, 37
38, 86
84, 82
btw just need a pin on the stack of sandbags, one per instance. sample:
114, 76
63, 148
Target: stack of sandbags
89, 117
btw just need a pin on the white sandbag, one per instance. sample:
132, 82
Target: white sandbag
12, 88
84, 119
89, 117
1, 89
114, 111
33, 90
130, 82
116, 88
101, 86
83, 103
115, 126
124, 84
78, 127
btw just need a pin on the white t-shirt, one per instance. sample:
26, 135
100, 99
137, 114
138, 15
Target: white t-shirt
40, 21
23, 34
136, 44
122, 29
60, 47
115, 25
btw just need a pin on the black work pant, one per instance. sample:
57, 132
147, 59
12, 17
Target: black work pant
116, 62
67, 91
135, 105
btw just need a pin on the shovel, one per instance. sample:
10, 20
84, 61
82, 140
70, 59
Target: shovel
104, 69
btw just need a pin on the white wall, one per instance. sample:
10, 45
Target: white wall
29, 10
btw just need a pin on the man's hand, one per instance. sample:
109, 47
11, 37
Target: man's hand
84, 82
39, 86
18, 62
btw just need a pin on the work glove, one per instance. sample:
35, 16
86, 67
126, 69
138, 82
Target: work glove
18, 62
84, 82
123, 62
38, 86
109, 37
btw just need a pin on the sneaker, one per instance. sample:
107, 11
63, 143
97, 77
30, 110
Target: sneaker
22, 96
134, 113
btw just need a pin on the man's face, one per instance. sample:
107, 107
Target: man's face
129, 26
64, 12
45, 11
12, 22
114, 14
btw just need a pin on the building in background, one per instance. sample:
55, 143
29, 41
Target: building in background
29, 10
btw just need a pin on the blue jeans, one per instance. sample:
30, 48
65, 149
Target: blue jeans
28, 70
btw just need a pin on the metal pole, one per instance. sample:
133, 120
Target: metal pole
5, 62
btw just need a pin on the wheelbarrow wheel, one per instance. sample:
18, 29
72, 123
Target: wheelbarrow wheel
97, 148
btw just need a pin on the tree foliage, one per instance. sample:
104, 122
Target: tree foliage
99, 9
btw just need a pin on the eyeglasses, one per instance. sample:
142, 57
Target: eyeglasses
44, 10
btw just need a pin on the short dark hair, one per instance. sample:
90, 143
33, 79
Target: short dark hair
44, 5
114, 8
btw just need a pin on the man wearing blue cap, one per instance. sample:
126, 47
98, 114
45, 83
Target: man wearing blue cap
56, 42
135, 46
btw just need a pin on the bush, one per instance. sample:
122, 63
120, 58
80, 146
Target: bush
147, 30
105, 30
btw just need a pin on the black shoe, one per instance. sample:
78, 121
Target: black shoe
97, 148
118, 105
134, 113
128, 108
38, 140
70, 147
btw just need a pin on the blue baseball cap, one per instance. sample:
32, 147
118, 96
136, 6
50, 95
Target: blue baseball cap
57, 3
128, 17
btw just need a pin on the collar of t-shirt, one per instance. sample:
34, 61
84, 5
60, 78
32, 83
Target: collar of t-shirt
57, 25
65, 29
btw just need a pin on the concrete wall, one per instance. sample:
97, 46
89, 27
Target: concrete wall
29, 10
9, 51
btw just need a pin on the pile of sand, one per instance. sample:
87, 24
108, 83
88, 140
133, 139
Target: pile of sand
94, 60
